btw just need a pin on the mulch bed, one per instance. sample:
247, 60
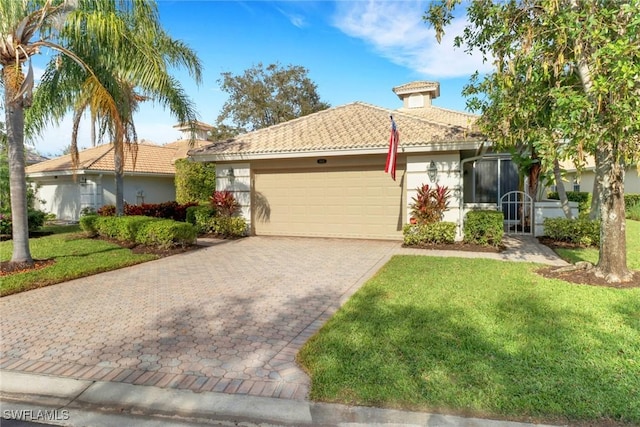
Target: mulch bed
580, 276
459, 246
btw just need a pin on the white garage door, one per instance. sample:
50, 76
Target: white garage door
354, 203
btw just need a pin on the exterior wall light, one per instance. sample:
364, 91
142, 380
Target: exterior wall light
432, 171
232, 176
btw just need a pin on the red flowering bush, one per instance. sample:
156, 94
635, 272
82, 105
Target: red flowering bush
430, 204
224, 203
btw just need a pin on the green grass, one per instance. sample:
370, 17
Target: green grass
75, 256
482, 338
591, 254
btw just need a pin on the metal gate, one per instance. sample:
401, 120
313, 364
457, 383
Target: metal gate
517, 207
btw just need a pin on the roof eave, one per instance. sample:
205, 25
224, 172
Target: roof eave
406, 149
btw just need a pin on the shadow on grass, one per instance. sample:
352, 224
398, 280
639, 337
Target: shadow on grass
525, 360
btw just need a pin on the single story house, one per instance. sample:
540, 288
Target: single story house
148, 176
323, 174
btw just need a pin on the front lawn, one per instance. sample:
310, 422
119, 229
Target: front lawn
591, 254
74, 255
482, 338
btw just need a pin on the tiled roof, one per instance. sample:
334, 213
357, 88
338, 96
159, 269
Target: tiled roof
443, 115
418, 87
150, 158
351, 126
182, 146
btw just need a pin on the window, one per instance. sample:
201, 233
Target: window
488, 179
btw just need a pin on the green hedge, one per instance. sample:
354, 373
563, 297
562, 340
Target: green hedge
228, 226
580, 231
200, 217
140, 229
433, 233
582, 197
631, 200
166, 233
484, 227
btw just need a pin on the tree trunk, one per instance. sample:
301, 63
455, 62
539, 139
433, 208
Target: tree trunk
612, 262
17, 181
118, 159
562, 194
596, 198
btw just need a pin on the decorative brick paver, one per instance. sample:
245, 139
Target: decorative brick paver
228, 318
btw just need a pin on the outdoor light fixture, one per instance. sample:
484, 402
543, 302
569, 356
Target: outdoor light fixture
432, 171
231, 175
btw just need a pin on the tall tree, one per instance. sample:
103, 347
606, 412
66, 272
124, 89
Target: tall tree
263, 97
28, 26
128, 82
577, 63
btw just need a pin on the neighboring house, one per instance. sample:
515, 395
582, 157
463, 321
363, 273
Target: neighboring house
148, 177
583, 180
323, 174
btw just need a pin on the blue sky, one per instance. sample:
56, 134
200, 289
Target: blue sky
354, 50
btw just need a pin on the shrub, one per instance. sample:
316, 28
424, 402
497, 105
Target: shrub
122, 228
631, 202
582, 197
106, 210
88, 224
168, 210
35, 220
227, 226
200, 217
633, 212
195, 181
434, 233
87, 210
430, 204
225, 203
484, 227
5, 223
165, 233
580, 231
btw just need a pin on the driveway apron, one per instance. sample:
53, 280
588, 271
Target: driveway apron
228, 318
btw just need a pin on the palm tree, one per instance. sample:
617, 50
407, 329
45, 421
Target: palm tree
129, 82
101, 32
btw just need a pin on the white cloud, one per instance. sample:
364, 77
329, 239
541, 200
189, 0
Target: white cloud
296, 20
396, 30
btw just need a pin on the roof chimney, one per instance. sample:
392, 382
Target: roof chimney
417, 94
201, 130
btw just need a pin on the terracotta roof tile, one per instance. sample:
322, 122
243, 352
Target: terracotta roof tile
351, 126
149, 158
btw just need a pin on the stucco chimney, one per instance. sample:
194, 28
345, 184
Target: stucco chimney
417, 94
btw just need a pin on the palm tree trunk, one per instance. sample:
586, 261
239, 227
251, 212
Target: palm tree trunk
17, 181
118, 159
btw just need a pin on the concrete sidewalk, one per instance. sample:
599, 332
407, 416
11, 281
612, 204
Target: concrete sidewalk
98, 403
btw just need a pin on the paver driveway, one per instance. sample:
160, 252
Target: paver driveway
227, 318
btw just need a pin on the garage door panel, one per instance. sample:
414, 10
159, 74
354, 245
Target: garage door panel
330, 203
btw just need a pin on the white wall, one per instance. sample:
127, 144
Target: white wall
631, 181
448, 165
61, 197
153, 189
65, 197
238, 182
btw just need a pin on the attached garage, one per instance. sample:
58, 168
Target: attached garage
354, 202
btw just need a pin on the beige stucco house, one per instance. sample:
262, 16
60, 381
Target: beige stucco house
148, 175
323, 174
582, 180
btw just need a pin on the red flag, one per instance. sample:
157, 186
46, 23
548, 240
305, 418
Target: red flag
394, 140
